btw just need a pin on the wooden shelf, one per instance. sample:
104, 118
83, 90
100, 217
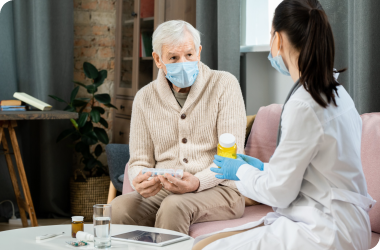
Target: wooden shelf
255, 48
147, 19
130, 21
141, 58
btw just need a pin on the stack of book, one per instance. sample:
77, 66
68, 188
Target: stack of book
24, 102
146, 48
12, 105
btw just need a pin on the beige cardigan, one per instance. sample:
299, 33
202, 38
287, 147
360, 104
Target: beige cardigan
165, 136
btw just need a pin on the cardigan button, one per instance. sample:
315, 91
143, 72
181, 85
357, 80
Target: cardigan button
184, 140
185, 160
183, 116
370, 206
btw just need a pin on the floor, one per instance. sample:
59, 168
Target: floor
4, 226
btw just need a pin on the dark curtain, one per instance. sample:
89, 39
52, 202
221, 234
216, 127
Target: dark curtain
36, 57
219, 24
356, 30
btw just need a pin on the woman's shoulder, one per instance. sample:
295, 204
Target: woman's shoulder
343, 100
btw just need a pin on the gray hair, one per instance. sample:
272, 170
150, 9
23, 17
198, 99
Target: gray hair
172, 33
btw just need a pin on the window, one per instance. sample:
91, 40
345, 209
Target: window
256, 21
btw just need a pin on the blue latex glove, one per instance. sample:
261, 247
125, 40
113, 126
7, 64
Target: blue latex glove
228, 167
251, 161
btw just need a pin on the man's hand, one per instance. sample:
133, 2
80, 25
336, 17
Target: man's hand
189, 183
144, 187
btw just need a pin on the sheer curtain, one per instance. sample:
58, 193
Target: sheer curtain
219, 24
356, 30
36, 51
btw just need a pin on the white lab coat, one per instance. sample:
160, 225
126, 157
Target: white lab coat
314, 182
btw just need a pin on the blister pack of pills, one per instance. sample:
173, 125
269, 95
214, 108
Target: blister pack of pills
77, 243
177, 173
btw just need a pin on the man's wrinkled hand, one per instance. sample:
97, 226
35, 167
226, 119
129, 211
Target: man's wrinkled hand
189, 183
146, 188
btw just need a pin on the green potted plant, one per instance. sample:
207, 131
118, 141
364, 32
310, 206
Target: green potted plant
91, 187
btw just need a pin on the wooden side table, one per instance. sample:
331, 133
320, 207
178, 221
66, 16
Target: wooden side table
8, 120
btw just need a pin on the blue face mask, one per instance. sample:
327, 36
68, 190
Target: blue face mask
183, 74
278, 62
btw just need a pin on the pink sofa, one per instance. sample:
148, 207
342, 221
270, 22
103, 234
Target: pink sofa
262, 143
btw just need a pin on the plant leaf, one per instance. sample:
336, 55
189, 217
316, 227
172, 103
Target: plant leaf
80, 84
69, 109
90, 70
82, 119
57, 98
98, 150
65, 133
99, 109
110, 105
91, 88
101, 77
76, 135
78, 103
101, 135
81, 109
95, 116
86, 128
103, 98
74, 94
89, 138
83, 99
100, 164
75, 124
103, 122
81, 147
91, 164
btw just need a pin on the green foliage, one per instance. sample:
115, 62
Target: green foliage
83, 133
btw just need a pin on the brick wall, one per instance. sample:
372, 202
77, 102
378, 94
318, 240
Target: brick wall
94, 42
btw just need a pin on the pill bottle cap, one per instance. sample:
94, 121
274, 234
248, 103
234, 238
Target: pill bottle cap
227, 140
84, 236
77, 218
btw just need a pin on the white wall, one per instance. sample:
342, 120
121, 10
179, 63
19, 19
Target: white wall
264, 85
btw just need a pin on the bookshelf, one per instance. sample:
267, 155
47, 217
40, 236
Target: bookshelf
134, 69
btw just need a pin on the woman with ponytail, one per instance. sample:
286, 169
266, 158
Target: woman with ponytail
314, 181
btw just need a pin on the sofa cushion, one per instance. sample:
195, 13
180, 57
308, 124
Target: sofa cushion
374, 240
251, 214
262, 140
121, 178
370, 153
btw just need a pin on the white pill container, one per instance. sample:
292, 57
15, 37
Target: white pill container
177, 173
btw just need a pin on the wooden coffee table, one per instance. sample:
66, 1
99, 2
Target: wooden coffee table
25, 238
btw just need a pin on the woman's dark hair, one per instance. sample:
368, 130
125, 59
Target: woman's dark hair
309, 31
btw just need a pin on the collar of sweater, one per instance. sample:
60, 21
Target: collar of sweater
196, 90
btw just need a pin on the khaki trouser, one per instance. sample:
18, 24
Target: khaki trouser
207, 241
178, 211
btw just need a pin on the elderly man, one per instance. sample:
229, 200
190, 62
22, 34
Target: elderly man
176, 122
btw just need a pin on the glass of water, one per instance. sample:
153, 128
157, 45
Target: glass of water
102, 226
